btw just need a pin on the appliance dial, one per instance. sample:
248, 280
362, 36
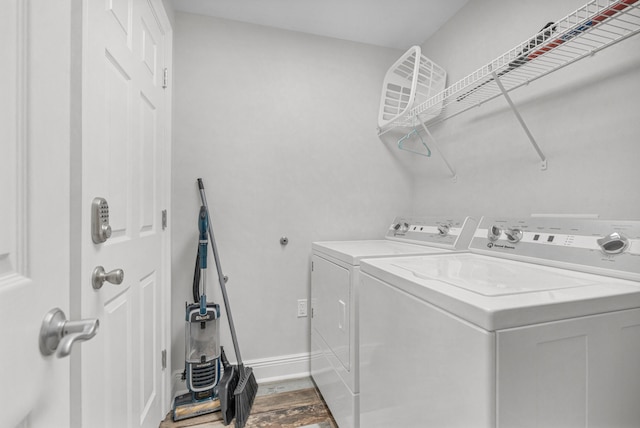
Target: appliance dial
614, 243
494, 233
443, 229
513, 235
401, 228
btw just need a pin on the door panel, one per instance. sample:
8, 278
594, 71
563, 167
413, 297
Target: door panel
147, 365
117, 373
120, 12
115, 176
147, 171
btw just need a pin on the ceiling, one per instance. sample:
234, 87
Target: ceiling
390, 23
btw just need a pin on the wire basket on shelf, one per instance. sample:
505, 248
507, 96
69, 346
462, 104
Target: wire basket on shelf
410, 81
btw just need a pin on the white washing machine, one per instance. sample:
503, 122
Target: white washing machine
335, 276
538, 325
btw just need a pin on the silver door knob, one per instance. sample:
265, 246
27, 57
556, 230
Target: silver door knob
99, 276
59, 334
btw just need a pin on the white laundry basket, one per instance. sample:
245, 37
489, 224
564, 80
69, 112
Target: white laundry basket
410, 81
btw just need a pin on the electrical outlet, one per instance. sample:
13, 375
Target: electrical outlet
302, 308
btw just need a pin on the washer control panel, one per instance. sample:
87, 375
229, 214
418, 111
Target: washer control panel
589, 245
447, 232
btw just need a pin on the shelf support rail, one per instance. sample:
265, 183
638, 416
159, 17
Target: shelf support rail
543, 165
434, 144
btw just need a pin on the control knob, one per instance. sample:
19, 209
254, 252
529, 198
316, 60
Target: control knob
443, 229
494, 233
513, 235
401, 228
614, 243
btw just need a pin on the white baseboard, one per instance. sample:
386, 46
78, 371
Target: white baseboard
282, 367
266, 370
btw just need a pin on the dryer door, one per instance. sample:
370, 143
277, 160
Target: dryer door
331, 292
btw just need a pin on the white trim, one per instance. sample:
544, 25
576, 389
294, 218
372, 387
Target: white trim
281, 368
22, 138
171, 381
266, 370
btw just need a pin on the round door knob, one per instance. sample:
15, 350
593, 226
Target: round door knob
614, 243
513, 235
99, 276
494, 233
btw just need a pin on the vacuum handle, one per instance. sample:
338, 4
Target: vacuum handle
221, 277
203, 223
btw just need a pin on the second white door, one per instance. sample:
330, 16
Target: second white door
124, 109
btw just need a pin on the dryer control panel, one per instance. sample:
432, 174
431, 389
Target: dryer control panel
453, 233
607, 247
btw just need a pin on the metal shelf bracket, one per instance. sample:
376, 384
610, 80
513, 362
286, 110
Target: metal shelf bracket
434, 144
543, 159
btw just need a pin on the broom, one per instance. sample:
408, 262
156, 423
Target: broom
245, 393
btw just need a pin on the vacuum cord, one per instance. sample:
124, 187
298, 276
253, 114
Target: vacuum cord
196, 278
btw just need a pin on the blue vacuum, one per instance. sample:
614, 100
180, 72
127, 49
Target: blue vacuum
202, 341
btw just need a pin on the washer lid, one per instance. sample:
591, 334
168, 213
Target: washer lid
492, 277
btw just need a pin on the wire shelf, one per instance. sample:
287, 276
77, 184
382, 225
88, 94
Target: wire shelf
593, 27
589, 29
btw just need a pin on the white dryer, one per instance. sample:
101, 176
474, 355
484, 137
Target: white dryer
538, 325
335, 276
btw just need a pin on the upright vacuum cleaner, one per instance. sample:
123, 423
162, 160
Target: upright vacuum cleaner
202, 341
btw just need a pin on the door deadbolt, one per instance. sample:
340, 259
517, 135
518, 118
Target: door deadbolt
100, 228
99, 276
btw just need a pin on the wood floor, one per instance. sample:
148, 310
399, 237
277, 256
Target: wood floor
288, 409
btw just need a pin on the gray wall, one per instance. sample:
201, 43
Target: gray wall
585, 117
282, 128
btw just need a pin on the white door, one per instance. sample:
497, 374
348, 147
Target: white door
34, 208
124, 111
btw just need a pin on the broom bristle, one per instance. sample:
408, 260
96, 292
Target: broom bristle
245, 394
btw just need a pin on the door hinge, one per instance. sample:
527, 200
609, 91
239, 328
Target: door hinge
311, 266
164, 219
164, 359
165, 78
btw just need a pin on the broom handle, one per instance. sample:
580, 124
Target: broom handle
223, 287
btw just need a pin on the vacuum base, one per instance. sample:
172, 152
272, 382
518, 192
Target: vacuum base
186, 407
